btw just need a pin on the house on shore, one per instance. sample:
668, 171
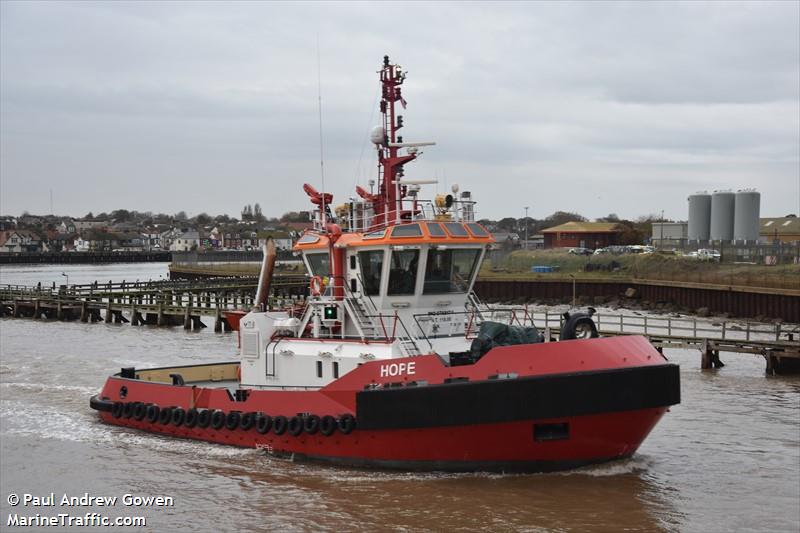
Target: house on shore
582, 235
20, 240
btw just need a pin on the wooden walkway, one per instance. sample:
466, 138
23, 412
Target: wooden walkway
161, 303
171, 303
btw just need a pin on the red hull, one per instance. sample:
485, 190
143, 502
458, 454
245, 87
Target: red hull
441, 435
507, 446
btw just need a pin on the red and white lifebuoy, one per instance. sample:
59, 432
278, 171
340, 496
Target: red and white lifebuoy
315, 285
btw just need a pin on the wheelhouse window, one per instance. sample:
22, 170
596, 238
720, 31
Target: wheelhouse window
320, 264
456, 229
371, 268
449, 270
407, 230
403, 272
477, 230
435, 229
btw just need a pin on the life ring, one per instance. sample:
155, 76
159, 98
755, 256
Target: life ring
190, 420
295, 426
311, 424
279, 424
346, 423
204, 418
116, 409
217, 419
165, 416
140, 411
232, 420
327, 425
263, 423
315, 286
178, 416
152, 413
247, 421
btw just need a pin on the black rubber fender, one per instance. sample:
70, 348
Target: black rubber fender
295, 425
327, 425
346, 423
263, 423
165, 416
100, 404
116, 409
247, 421
152, 413
178, 416
279, 424
204, 418
140, 411
190, 420
311, 424
576, 322
217, 419
127, 410
232, 420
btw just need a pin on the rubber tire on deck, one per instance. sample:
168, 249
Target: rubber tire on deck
116, 409
232, 420
346, 423
127, 410
327, 425
190, 420
311, 424
570, 327
152, 413
279, 424
295, 426
204, 418
178, 416
263, 423
247, 421
165, 416
140, 411
217, 419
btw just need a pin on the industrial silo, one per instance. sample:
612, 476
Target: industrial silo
722, 208
746, 217
699, 217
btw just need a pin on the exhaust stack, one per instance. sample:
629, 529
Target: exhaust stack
265, 278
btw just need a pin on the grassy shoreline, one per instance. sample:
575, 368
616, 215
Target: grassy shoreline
653, 267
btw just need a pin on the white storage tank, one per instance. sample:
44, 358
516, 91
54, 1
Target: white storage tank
747, 215
722, 208
699, 217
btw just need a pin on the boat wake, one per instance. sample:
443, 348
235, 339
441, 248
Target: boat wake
632, 465
26, 420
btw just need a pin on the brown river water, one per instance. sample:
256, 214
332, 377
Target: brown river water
726, 459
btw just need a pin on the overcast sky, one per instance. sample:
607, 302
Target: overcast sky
587, 107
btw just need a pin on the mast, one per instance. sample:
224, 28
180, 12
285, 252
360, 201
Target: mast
388, 205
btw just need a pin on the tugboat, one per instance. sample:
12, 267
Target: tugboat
393, 363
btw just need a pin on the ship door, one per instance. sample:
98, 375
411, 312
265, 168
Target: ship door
352, 273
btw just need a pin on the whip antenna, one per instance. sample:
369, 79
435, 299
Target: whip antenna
321, 153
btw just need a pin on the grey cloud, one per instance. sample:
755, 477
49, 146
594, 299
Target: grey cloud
213, 105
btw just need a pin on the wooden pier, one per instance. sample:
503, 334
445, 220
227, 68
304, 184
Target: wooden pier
176, 303
159, 303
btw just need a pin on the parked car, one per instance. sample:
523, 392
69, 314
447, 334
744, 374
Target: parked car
601, 251
580, 251
638, 249
707, 254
